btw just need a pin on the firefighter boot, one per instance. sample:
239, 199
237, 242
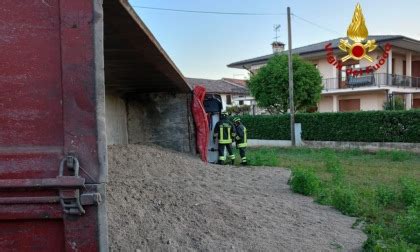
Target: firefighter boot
232, 159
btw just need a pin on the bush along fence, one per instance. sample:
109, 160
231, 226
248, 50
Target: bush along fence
375, 126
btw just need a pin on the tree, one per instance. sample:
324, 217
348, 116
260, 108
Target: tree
394, 103
270, 86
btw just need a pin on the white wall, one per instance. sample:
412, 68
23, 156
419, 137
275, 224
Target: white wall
223, 96
372, 101
329, 71
368, 101
255, 68
326, 69
377, 55
246, 99
398, 64
325, 104
116, 120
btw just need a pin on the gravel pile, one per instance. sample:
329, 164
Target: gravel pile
159, 200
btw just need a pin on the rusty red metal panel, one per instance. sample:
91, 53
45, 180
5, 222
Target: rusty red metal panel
29, 200
30, 80
26, 240
28, 165
31, 212
30, 74
59, 182
47, 111
78, 84
82, 233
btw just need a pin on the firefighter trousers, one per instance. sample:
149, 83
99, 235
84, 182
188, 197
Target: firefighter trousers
243, 155
221, 150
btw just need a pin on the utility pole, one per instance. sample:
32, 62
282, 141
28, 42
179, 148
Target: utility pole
291, 101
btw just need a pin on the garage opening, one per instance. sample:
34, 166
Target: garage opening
147, 99
416, 103
349, 105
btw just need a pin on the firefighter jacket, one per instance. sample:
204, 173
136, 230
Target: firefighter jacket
241, 136
224, 131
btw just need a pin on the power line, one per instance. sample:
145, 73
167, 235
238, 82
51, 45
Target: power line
317, 25
238, 14
211, 12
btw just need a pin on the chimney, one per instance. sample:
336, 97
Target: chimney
278, 47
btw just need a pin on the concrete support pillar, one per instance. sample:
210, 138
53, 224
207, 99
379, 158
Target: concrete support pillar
389, 67
298, 134
408, 67
336, 82
408, 101
408, 63
335, 103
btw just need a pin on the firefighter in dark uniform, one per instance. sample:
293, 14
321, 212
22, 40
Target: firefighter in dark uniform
241, 139
224, 131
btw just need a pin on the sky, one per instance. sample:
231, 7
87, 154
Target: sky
201, 45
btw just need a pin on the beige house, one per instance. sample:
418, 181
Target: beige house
399, 74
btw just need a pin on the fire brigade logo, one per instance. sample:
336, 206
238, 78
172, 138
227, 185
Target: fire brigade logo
358, 33
359, 49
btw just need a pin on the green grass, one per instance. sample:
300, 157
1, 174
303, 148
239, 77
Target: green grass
382, 189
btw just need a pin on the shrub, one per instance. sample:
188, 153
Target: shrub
399, 156
385, 195
333, 166
409, 224
267, 127
396, 103
392, 245
396, 156
345, 200
324, 196
304, 181
239, 110
369, 126
410, 191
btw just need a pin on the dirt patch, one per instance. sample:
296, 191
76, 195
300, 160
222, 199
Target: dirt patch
163, 200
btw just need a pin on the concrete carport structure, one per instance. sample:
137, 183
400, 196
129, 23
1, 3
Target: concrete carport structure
148, 100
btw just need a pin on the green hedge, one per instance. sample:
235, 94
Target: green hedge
376, 126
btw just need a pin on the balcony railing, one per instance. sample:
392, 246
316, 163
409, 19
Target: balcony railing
372, 80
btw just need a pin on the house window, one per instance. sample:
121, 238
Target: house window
228, 99
404, 67
241, 102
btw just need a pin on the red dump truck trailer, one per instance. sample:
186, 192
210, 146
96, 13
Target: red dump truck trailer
52, 126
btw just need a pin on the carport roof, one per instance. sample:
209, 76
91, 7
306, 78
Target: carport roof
135, 62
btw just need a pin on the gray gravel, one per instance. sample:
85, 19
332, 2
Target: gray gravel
159, 200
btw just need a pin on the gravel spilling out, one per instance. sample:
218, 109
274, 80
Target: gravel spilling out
160, 200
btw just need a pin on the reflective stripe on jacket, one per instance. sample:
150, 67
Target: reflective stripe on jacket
241, 137
224, 131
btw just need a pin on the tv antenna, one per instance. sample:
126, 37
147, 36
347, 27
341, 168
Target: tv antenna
277, 29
